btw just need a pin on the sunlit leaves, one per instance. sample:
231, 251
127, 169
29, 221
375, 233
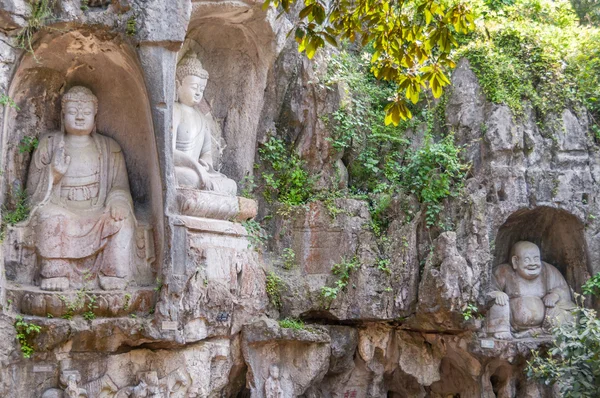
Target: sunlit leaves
412, 39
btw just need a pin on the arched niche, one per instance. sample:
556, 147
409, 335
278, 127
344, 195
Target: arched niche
558, 234
236, 44
65, 57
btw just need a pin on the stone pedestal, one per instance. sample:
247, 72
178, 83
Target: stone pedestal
216, 283
208, 204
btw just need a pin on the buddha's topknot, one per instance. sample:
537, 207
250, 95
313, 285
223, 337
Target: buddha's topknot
190, 65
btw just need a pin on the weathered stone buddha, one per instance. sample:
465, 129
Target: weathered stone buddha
273, 384
529, 295
82, 211
193, 132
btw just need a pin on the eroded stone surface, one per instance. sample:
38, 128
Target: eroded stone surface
396, 329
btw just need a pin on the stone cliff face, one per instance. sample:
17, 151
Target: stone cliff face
197, 321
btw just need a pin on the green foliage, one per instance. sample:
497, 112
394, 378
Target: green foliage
5, 100
343, 271
592, 286
247, 187
291, 323
412, 40
534, 50
26, 332
383, 264
127, 301
256, 234
287, 181
83, 299
159, 284
28, 144
289, 258
381, 165
435, 172
471, 311
41, 13
19, 213
588, 11
573, 360
498, 4
84, 5
274, 287
131, 28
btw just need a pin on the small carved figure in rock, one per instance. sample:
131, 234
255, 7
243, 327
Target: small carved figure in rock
273, 384
528, 295
70, 380
192, 129
82, 211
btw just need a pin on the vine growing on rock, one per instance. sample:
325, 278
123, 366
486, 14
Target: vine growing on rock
380, 160
436, 173
26, 332
342, 270
535, 51
274, 287
287, 180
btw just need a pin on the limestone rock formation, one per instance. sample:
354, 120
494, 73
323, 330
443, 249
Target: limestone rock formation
203, 313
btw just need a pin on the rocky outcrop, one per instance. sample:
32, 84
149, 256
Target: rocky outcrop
383, 315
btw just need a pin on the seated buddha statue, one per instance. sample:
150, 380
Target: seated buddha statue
192, 137
528, 295
82, 211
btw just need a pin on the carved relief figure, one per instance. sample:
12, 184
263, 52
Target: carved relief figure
70, 380
528, 295
192, 132
82, 211
273, 384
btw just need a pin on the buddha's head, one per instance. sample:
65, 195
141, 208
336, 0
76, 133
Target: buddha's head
191, 79
274, 371
526, 261
79, 108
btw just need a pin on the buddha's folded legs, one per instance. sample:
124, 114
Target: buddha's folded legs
498, 321
117, 257
65, 239
223, 184
187, 177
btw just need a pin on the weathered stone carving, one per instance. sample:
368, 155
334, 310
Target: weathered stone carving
529, 295
175, 384
192, 132
273, 385
203, 191
70, 379
82, 213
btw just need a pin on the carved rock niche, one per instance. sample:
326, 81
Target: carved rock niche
103, 63
558, 234
235, 43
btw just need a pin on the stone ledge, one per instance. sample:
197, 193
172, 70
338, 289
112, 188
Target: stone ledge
506, 349
32, 300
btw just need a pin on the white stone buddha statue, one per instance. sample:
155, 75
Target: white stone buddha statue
528, 295
82, 211
193, 132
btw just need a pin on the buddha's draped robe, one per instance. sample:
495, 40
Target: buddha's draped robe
195, 144
71, 217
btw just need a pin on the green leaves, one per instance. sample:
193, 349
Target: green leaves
408, 37
434, 173
289, 182
573, 361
